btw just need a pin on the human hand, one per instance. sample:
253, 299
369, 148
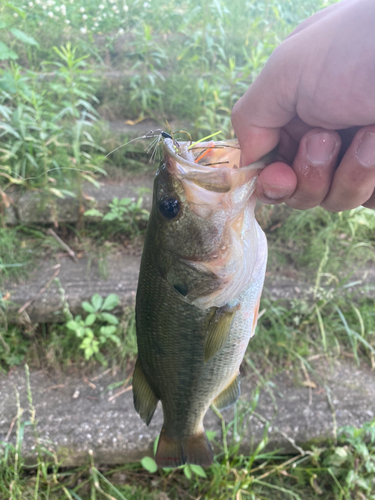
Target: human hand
316, 95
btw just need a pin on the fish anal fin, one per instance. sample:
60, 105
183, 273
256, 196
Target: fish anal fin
228, 396
192, 450
255, 319
145, 401
218, 331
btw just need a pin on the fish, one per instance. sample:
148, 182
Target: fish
201, 278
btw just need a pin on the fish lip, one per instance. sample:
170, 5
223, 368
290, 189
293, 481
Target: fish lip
168, 147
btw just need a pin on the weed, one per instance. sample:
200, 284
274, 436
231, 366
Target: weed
99, 337
342, 471
98, 327
45, 124
125, 215
312, 246
12, 33
145, 93
317, 231
13, 348
15, 256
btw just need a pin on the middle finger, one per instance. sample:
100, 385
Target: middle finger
314, 166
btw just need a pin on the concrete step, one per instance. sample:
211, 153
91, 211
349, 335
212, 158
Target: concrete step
77, 414
41, 207
80, 280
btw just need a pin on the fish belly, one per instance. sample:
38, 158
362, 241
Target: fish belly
224, 366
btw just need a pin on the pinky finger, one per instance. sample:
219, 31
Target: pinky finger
370, 203
354, 180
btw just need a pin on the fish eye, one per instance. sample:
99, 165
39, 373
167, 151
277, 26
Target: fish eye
169, 207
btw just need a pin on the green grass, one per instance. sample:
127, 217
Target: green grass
57, 347
189, 61
13, 258
305, 238
331, 321
45, 124
18, 245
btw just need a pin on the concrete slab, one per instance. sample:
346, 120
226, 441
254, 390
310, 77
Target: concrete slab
39, 207
80, 280
75, 417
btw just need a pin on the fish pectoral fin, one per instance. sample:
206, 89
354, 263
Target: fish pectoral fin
192, 450
145, 401
228, 396
218, 331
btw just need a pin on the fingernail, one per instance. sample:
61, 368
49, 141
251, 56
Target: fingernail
366, 150
320, 147
273, 191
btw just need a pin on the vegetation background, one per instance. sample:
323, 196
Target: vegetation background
67, 69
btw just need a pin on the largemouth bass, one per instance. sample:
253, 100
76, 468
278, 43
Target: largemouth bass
200, 282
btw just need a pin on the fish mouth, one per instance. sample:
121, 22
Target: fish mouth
210, 175
202, 157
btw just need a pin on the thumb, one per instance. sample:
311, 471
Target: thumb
267, 105
256, 142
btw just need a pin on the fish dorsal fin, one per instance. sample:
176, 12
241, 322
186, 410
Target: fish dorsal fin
228, 396
218, 331
145, 401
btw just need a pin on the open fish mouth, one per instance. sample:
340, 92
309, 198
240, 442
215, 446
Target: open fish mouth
214, 154
210, 175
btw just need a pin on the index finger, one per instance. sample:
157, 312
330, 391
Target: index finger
267, 105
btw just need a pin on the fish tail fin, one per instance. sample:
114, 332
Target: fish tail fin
192, 450
198, 450
170, 452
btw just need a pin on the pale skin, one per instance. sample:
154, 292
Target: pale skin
316, 96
